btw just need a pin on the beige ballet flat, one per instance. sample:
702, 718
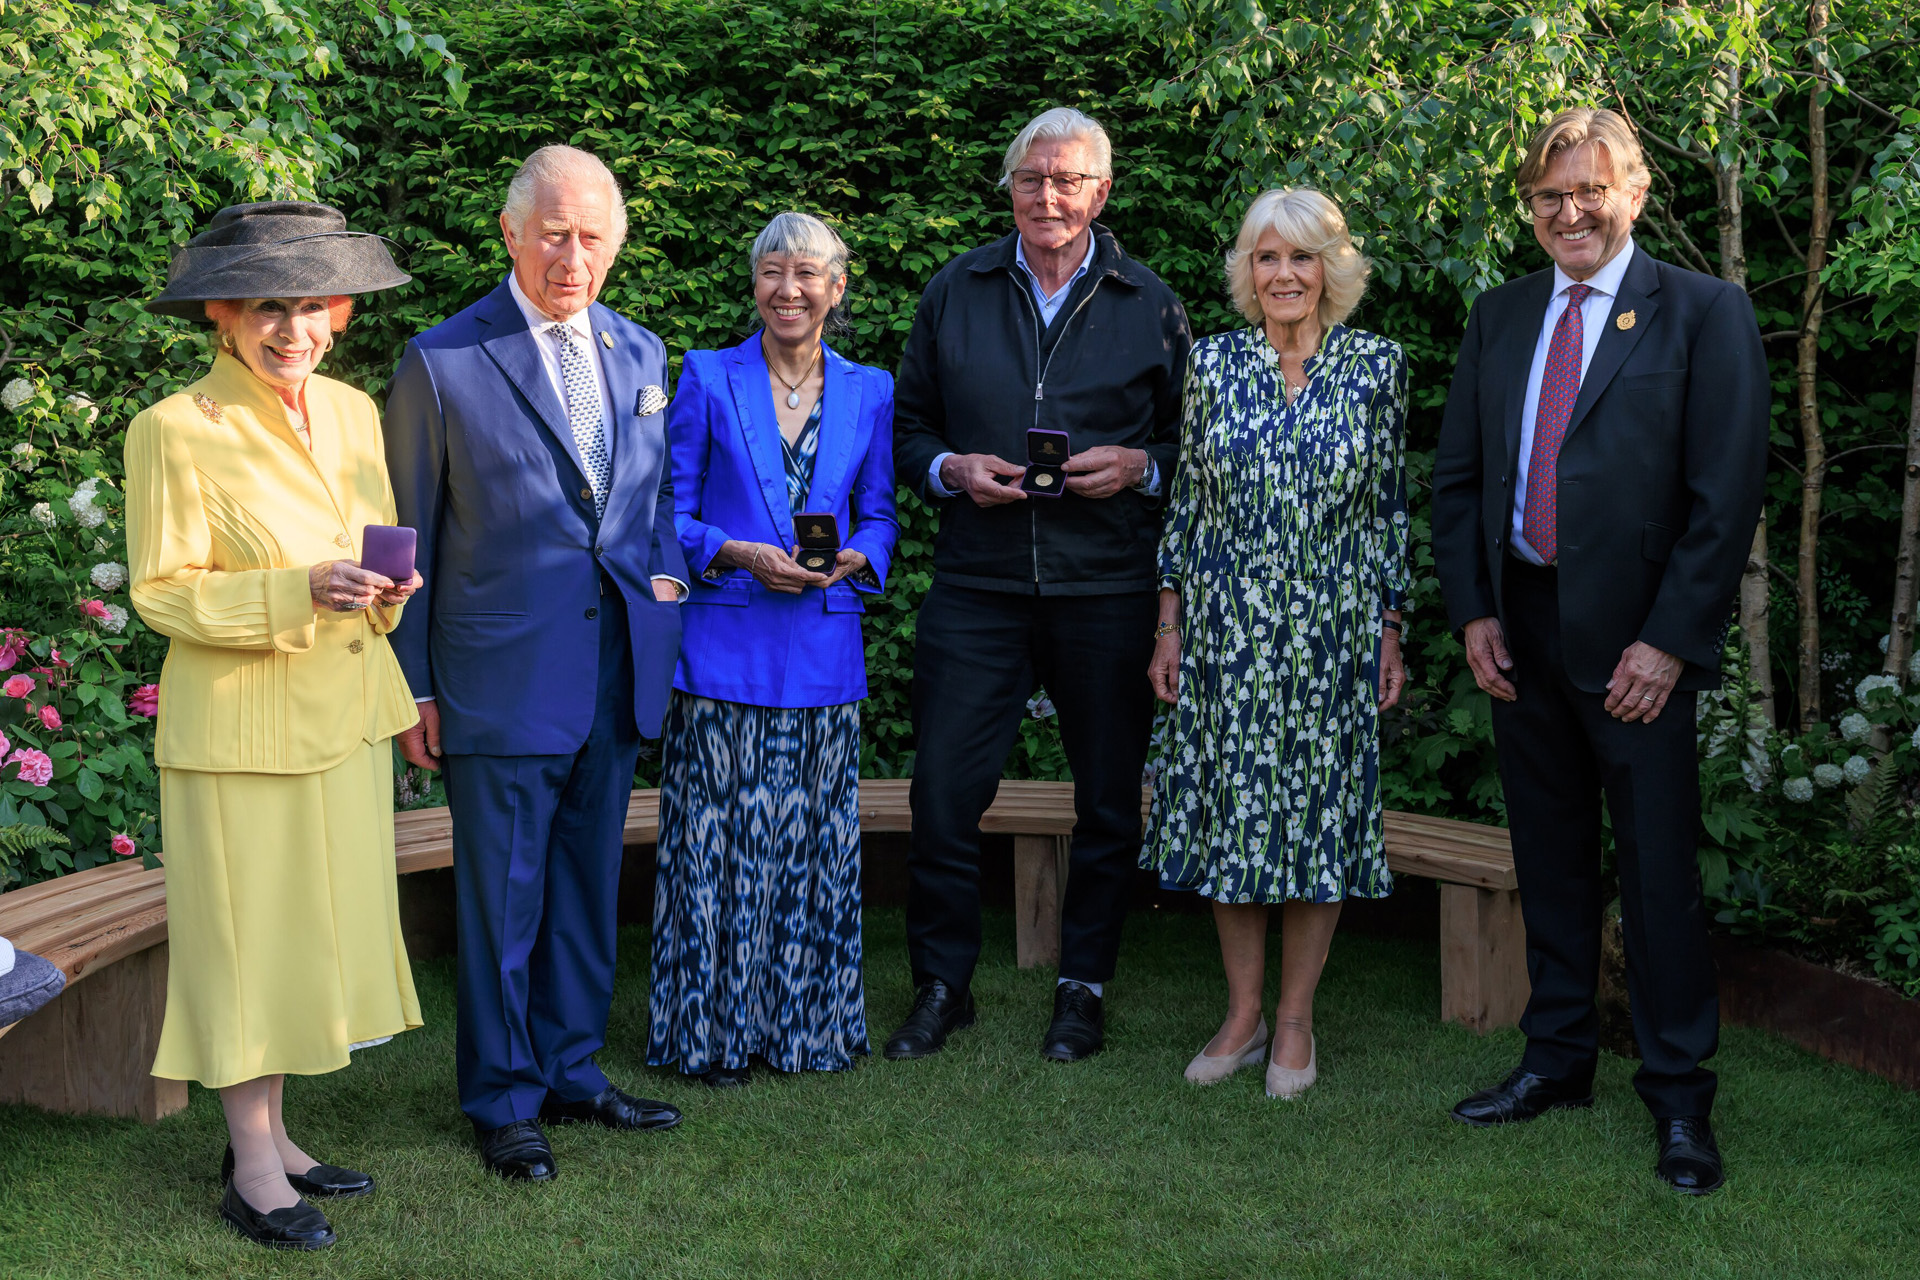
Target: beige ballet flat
1286, 1082
1206, 1070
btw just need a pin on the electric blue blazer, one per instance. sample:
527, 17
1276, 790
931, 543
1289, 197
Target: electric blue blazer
505, 634
745, 643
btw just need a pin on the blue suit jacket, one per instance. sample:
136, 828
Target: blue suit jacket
745, 643
505, 633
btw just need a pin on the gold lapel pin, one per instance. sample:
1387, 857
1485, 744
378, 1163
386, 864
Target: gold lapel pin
1625, 320
606, 339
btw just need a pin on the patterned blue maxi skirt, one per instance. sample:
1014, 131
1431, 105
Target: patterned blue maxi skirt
756, 905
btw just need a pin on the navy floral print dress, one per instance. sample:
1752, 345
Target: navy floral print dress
756, 908
1286, 536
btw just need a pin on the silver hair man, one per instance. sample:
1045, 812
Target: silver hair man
557, 163
1060, 122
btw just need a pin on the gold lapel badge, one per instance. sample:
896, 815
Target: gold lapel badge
606, 339
1625, 320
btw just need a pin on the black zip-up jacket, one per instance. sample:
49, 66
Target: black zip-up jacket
979, 371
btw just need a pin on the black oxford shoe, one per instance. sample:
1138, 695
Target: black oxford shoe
517, 1151
727, 1077
1079, 1025
318, 1183
1689, 1157
611, 1109
938, 1011
299, 1226
1521, 1097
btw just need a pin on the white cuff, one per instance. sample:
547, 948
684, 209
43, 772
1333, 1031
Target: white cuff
1150, 482
933, 477
678, 585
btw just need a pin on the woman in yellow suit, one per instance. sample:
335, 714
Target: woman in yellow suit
247, 494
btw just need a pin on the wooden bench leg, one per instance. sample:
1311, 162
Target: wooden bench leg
1483, 957
1039, 872
91, 1049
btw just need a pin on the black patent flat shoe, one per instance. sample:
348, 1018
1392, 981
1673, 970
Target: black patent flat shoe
323, 1181
727, 1077
300, 1226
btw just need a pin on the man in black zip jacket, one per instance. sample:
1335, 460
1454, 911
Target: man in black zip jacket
1051, 329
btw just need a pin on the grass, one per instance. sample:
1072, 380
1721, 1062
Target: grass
986, 1161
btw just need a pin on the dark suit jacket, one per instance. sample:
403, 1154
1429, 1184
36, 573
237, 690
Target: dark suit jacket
505, 633
1660, 474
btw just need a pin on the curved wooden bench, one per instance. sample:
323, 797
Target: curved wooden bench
90, 1049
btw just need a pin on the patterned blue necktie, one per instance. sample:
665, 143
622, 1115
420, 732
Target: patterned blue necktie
583, 409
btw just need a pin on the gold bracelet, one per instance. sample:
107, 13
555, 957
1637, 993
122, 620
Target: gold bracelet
1165, 629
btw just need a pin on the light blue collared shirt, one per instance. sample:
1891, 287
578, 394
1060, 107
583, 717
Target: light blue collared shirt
1049, 308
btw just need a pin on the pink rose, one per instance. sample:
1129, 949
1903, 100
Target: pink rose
17, 686
6, 744
93, 609
49, 716
144, 701
11, 649
123, 845
35, 766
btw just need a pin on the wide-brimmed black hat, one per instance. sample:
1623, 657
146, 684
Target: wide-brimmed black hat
275, 249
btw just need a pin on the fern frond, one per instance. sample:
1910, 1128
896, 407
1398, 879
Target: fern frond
1876, 799
24, 837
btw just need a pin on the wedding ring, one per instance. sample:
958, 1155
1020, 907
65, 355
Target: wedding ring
1647, 698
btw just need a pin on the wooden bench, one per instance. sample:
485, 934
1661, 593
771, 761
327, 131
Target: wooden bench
90, 1049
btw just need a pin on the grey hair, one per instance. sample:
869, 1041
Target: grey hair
1305, 219
555, 163
1060, 122
801, 235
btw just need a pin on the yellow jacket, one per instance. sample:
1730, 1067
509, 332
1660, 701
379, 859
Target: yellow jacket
226, 511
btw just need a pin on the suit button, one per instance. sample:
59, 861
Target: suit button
586, 495
592, 614
599, 551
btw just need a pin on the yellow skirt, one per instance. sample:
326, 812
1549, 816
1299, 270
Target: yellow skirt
283, 920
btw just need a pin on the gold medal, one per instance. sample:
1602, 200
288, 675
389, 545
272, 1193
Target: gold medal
1625, 320
1044, 480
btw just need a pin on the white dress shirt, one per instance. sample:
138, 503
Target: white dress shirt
1605, 285
1049, 305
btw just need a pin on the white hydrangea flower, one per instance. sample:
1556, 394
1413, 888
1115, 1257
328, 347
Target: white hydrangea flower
85, 513
16, 393
100, 546
109, 575
1828, 775
116, 619
1916, 739
1886, 642
43, 515
1856, 769
79, 404
1913, 666
1799, 790
1854, 727
25, 457
1870, 685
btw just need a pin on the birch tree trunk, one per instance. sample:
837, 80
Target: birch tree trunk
1813, 478
1900, 634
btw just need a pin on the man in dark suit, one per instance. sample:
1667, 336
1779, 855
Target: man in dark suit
1595, 491
527, 444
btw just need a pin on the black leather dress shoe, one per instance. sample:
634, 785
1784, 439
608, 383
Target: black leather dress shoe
611, 1109
727, 1077
938, 1011
300, 1226
318, 1183
1689, 1157
1079, 1026
518, 1151
1521, 1097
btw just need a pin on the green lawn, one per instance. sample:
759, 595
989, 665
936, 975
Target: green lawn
987, 1161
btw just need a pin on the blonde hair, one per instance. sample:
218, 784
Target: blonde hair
1060, 122
1306, 220
555, 163
1575, 127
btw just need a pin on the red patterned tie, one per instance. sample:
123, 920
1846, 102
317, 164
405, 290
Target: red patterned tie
1559, 388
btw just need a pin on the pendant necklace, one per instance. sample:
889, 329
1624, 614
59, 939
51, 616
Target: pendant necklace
793, 388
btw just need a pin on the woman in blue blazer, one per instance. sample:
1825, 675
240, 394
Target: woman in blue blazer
756, 919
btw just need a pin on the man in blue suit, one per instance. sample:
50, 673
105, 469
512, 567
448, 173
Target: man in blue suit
526, 441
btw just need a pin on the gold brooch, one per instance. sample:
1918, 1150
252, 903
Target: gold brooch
356, 646
207, 405
606, 339
342, 540
1625, 320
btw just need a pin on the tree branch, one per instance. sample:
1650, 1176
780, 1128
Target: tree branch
1787, 235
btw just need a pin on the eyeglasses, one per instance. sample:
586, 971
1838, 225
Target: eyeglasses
1547, 204
1028, 181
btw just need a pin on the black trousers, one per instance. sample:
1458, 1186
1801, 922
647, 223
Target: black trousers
978, 658
1559, 751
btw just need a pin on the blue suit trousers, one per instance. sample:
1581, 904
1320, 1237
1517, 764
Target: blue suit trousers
536, 861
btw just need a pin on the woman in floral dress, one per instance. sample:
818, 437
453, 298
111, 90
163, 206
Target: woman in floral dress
1282, 573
